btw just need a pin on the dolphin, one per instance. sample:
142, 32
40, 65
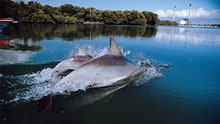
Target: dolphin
113, 67
72, 63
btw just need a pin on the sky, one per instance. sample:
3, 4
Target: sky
204, 11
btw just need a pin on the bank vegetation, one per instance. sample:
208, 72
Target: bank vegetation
34, 12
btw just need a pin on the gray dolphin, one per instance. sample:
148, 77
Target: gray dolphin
72, 62
110, 68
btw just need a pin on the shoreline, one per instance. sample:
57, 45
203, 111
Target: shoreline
102, 23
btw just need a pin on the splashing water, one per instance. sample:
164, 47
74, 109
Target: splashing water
40, 83
92, 51
41, 76
97, 52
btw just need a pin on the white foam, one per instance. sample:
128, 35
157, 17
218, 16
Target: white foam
152, 73
40, 76
125, 52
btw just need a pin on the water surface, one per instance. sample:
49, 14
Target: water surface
181, 87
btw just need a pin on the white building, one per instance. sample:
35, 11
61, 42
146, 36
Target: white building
184, 22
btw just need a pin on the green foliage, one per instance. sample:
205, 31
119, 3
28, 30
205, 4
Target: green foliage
67, 8
152, 18
136, 18
34, 12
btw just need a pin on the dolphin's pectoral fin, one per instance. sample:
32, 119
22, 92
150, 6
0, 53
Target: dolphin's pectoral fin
114, 49
61, 72
66, 72
56, 73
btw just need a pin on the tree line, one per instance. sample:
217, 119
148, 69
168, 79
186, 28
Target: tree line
34, 12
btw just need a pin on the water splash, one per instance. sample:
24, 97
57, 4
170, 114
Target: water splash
97, 52
152, 71
92, 51
39, 77
125, 52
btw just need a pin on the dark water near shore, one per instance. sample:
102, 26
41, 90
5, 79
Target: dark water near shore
183, 86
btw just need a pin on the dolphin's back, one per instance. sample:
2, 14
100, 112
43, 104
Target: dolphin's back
110, 60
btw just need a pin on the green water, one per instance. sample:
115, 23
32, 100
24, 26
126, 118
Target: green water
188, 59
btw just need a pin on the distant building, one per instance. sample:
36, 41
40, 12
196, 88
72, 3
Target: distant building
184, 22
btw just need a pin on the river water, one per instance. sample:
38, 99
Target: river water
181, 85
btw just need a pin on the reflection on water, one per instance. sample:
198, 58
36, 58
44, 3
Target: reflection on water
31, 112
17, 44
13, 51
38, 32
20, 41
187, 34
11, 56
83, 98
26, 36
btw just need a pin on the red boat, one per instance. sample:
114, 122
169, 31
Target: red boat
4, 44
3, 24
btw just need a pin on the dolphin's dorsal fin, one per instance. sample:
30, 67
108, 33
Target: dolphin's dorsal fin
81, 52
114, 49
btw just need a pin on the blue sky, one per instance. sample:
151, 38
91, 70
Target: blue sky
140, 5
201, 9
